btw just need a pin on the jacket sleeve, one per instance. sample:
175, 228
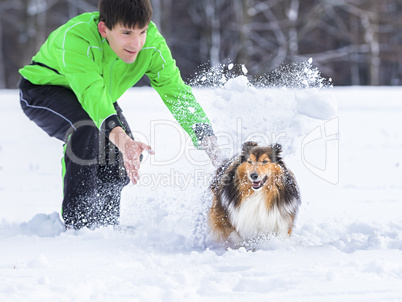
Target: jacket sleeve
178, 97
85, 79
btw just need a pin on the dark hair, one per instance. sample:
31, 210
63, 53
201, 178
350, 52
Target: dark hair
129, 13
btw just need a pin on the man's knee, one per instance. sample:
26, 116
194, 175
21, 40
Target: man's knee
83, 143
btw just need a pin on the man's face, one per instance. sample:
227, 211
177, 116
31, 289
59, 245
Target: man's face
125, 42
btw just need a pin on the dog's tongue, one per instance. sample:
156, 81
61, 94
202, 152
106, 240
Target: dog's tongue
256, 184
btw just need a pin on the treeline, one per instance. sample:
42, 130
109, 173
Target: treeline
354, 42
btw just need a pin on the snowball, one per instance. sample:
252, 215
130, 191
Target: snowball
244, 69
238, 84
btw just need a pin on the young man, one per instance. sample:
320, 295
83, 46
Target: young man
70, 90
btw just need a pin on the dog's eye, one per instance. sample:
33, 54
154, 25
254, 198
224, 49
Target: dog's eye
265, 162
250, 162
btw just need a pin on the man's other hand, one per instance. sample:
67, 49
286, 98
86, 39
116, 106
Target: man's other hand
131, 151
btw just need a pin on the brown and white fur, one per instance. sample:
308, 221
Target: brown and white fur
254, 195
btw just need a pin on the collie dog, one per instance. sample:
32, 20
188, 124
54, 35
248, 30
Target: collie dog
254, 195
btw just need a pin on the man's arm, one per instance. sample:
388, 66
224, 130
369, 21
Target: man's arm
131, 151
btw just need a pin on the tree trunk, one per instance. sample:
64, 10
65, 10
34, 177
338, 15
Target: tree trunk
35, 27
243, 25
354, 53
370, 23
3, 83
293, 15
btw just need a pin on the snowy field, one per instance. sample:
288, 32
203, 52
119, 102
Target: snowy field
343, 144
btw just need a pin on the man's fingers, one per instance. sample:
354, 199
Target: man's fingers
136, 176
151, 151
132, 172
147, 148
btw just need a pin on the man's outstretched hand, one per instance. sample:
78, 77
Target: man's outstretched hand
131, 151
210, 146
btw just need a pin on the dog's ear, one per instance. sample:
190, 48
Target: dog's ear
247, 146
277, 147
277, 150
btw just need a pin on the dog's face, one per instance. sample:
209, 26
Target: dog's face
259, 165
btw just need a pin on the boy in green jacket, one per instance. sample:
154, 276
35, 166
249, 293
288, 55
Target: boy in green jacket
70, 90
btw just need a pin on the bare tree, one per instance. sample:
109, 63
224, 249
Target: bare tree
370, 23
2, 68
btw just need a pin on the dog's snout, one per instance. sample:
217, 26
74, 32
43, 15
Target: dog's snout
254, 176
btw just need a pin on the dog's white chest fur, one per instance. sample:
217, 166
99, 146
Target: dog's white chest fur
253, 218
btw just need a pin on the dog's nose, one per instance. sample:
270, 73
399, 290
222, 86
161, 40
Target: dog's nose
254, 176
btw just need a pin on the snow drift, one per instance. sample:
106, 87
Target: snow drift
346, 244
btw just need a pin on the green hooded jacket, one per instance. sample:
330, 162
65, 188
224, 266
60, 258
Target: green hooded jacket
76, 56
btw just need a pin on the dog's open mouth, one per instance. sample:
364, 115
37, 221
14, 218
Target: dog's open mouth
258, 184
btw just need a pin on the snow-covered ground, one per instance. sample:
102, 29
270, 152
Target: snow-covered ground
343, 144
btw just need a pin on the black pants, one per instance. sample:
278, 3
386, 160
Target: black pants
93, 169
